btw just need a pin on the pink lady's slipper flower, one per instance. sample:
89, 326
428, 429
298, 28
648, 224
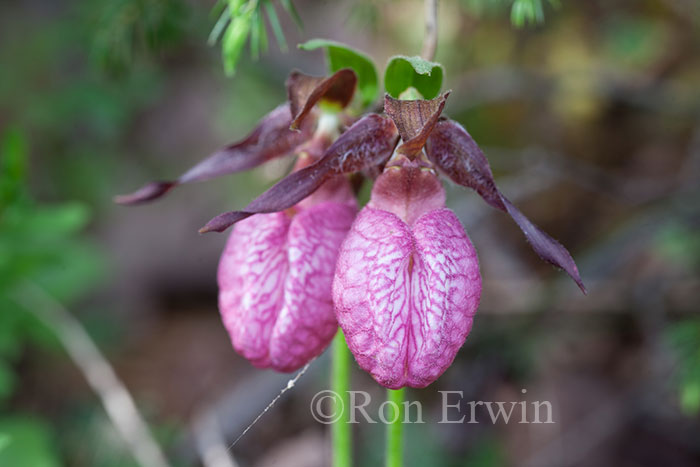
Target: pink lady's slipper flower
275, 277
275, 282
407, 282
276, 271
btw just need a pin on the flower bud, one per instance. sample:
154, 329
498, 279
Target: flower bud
407, 280
275, 278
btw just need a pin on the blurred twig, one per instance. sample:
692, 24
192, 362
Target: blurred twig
211, 443
100, 375
431, 31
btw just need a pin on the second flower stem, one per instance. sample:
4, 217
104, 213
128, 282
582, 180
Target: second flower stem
394, 431
342, 435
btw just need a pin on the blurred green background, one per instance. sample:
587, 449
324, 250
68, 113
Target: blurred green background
591, 122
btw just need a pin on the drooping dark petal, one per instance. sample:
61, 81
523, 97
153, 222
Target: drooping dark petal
415, 120
455, 153
272, 138
148, 192
369, 142
305, 91
282, 195
545, 246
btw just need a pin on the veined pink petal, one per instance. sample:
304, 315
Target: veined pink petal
405, 296
275, 279
371, 291
306, 322
445, 288
251, 278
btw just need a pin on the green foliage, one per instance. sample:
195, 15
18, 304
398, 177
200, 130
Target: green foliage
413, 72
38, 244
635, 40
522, 12
26, 442
234, 39
684, 338
78, 117
241, 19
528, 12
680, 243
126, 28
7, 381
488, 453
482, 8
12, 167
341, 56
292, 12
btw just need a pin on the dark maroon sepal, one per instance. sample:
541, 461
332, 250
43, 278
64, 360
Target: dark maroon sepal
545, 246
367, 143
305, 91
146, 193
415, 120
271, 139
456, 154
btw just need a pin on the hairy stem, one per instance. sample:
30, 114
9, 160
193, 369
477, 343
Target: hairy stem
430, 39
342, 436
394, 431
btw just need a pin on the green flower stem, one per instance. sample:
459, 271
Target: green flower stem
394, 431
342, 435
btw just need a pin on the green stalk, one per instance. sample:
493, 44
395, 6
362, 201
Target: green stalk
394, 430
342, 435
